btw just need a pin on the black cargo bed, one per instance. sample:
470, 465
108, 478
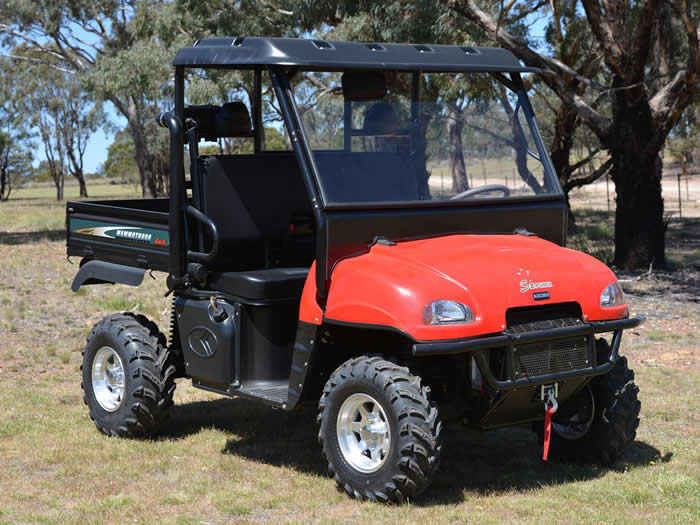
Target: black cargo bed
131, 232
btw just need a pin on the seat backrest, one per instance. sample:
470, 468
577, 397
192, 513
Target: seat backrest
368, 176
251, 199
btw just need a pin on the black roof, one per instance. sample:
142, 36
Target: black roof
251, 52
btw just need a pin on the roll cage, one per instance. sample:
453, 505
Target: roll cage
342, 230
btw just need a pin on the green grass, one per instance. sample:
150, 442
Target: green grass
117, 303
36, 210
222, 460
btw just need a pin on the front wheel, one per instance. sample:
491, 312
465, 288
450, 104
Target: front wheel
599, 422
378, 431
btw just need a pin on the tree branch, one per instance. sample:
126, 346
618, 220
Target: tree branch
38, 61
582, 181
642, 39
607, 36
585, 161
598, 123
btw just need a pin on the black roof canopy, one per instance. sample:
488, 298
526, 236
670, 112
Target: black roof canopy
252, 52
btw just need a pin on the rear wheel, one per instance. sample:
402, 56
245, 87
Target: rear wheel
599, 422
128, 376
378, 431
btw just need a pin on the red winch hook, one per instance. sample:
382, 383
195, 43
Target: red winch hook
550, 407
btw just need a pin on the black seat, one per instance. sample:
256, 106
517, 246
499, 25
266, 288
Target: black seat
252, 199
273, 283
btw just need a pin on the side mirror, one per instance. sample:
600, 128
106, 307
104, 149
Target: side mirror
363, 85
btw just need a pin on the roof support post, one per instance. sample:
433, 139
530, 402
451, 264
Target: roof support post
177, 265
292, 120
257, 110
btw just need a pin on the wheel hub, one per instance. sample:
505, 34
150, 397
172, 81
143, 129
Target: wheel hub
576, 423
108, 381
363, 433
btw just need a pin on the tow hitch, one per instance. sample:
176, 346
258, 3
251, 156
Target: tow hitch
548, 395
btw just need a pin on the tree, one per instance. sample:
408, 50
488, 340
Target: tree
124, 49
120, 164
15, 139
650, 53
81, 117
59, 109
47, 121
121, 49
15, 162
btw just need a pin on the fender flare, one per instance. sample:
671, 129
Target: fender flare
101, 272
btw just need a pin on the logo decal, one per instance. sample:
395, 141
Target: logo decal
202, 341
538, 296
114, 231
526, 285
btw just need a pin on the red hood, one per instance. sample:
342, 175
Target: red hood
391, 285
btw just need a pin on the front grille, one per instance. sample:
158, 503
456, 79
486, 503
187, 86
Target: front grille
551, 357
545, 324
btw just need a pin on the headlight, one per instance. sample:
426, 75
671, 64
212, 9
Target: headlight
612, 295
447, 312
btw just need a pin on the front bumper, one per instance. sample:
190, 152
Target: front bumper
476, 346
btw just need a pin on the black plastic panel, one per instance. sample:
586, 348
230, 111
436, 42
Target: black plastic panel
249, 52
267, 338
208, 339
349, 232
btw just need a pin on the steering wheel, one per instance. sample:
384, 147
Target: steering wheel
482, 189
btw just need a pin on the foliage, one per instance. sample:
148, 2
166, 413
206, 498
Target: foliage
120, 164
15, 138
647, 57
124, 59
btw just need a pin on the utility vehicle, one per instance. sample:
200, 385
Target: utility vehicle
376, 228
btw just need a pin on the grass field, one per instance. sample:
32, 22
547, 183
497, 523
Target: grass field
224, 460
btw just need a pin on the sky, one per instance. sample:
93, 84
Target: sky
96, 151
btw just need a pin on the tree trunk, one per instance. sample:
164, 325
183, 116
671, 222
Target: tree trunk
144, 159
58, 182
145, 165
75, 163
81, 182
458, 172
5, 182
634, 147
565, 125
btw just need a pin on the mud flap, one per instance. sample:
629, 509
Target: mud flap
101, 272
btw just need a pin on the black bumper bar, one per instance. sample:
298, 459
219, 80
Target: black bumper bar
508, 339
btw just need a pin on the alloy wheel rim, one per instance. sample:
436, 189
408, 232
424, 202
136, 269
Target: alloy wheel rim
108, 380
364, 433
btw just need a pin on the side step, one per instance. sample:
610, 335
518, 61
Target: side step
273, 392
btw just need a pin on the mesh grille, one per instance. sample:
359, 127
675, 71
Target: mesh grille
537, 359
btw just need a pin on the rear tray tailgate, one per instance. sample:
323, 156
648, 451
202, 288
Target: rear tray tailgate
129, 232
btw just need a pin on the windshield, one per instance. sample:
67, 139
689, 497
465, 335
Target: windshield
465, 136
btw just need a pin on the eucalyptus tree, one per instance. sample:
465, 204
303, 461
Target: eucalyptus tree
15, 161
649, 57
81, 118
121, 49
15, 138
124, 48
56, 105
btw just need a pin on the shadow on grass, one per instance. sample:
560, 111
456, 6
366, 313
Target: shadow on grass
15, 238
493, 462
